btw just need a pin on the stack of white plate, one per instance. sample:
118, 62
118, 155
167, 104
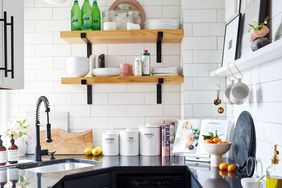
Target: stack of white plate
162, 23
165, 71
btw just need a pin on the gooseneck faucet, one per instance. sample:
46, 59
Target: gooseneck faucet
37, 126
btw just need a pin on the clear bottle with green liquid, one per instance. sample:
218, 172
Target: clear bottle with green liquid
86, 15
96, 16
76, 20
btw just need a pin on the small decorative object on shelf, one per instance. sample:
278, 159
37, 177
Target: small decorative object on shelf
146, 59
3, 153
18, 132
258, 34
13, 152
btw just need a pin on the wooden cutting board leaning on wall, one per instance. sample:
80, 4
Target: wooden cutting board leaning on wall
67, 143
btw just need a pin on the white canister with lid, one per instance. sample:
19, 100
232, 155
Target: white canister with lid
110, 143
129, 142
150, 143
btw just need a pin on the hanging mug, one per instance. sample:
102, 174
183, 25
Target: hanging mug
239, 92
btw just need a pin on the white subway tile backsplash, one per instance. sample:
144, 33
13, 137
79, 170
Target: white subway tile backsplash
28, 3
200, 43
127, 98
98, 98
153, 11
52, 25
198, 16
43, 3
208, 29
38, 38
61, 13
171, 110
198, 70
207, 56
203, 4
128, 122
38, 13
53, 50
108, 111
144, 110
161, 2
75, 110
90, 123
171, 11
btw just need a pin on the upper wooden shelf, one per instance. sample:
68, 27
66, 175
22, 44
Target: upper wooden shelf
122, 79
264, 55
124, 36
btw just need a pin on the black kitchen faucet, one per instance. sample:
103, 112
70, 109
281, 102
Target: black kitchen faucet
37, 126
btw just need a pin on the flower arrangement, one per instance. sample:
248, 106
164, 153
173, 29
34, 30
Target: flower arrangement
259, 30
18, 129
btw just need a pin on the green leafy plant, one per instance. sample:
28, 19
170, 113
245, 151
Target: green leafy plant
256, 26
17, 129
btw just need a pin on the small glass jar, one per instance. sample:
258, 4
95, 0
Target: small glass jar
133, 20
109, 20
122, 14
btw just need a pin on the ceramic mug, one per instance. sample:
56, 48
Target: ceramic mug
227, 93
126, 69
239, 92
250, 183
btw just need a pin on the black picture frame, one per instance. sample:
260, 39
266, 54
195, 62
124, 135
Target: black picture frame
231, 40
250, 10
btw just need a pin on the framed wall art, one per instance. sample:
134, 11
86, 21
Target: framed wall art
230, 48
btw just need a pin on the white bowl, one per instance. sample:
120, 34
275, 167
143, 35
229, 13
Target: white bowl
250, 183
216, 151
106, 72
77, 66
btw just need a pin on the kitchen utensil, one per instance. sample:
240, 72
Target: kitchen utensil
150, 140
129, 142
134, 6
77, 66
216, 151
110, 143
250, 183
126, 69
68, 143
244, 139
106, 71
239, 92
220, 110
217, 101
92, 60
226, 95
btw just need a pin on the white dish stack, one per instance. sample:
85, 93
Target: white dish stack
162, 23
165, 71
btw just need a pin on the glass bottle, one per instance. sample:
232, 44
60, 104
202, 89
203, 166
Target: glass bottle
3, 177
76, 20
274, 172
86, 16
3, 153
13, 156
96, 16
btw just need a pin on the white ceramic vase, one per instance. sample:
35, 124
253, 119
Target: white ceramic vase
22, 147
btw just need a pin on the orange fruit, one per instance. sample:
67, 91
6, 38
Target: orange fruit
231, 168
216, 140
223, 173
223, 166
220, 142
209, 141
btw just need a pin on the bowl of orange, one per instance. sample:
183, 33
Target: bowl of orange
216, 148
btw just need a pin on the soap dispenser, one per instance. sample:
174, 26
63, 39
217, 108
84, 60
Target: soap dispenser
3, 153
13, 152
274, 172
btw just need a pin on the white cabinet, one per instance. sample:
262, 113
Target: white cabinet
12, 44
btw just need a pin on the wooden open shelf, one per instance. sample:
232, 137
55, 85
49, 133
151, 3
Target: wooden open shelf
123, 79
124, 36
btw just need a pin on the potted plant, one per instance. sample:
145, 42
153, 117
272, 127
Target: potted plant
258, 34
19, 131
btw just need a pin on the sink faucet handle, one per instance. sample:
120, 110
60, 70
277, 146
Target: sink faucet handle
52, 155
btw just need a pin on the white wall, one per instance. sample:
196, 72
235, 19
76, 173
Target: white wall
201, 54
265, 100
115, 106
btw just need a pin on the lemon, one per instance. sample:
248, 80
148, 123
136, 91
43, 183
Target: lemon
88, 151
97, 151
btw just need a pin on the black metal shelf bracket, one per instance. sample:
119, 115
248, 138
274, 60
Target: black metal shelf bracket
83, 36
159, 46
159, 90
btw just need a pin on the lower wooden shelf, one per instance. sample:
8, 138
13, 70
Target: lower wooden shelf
122, 79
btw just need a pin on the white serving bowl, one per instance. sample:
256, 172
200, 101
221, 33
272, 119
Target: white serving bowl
216, 151
250, 183
77, 66
106, 72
